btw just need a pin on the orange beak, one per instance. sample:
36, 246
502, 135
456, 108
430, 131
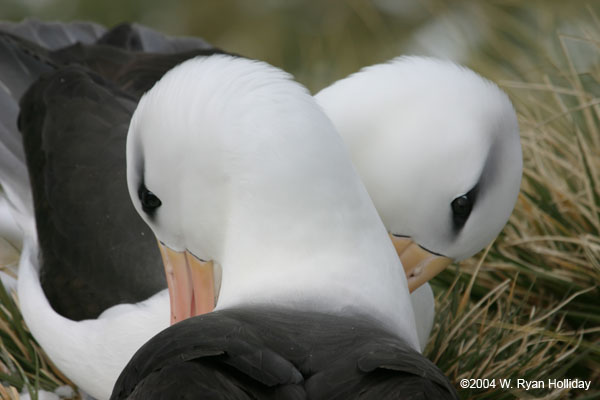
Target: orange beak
191, 283
419, 264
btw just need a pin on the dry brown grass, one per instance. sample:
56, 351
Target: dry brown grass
529, 306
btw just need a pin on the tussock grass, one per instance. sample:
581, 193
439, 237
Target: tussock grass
529, 306
24, 367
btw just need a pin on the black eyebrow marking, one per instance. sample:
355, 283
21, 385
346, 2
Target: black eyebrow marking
140, 173
432, 252
423, 247
486, 177
150, 202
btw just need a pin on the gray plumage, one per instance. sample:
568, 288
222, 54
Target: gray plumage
78, 86
271, 353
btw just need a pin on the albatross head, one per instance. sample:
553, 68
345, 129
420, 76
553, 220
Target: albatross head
438, 149
232, 163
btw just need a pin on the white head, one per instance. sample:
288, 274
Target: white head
245, 169
437, 147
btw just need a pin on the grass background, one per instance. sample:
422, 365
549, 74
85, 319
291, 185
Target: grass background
529, 305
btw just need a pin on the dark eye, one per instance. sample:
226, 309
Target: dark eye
150, 202
462, 207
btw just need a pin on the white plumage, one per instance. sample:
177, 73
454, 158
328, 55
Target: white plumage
91, 352
422, 132
252, 175
302, 241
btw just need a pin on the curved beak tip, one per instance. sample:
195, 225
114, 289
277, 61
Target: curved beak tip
419, 264
191, 283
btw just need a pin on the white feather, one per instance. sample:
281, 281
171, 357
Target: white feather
252, 174
91, 353
421, 132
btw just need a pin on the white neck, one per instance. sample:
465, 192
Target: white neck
252, 174
312, 244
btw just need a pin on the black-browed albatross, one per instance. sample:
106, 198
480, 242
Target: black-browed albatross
102, 291
244, 169
74, 120
136, 39
438, 149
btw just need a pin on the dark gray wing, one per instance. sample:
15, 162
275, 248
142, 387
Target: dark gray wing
319, 356
21, 63
24, 56
95, 250
389, 369
136, 37
214, 356
119, 55
134, 72
349, 357
54, 35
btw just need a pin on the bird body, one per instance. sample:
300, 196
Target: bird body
279, 353
91, 285
313, 301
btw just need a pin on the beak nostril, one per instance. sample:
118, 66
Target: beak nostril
420, 264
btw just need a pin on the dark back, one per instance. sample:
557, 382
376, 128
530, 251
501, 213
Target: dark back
269, 353
95, 250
